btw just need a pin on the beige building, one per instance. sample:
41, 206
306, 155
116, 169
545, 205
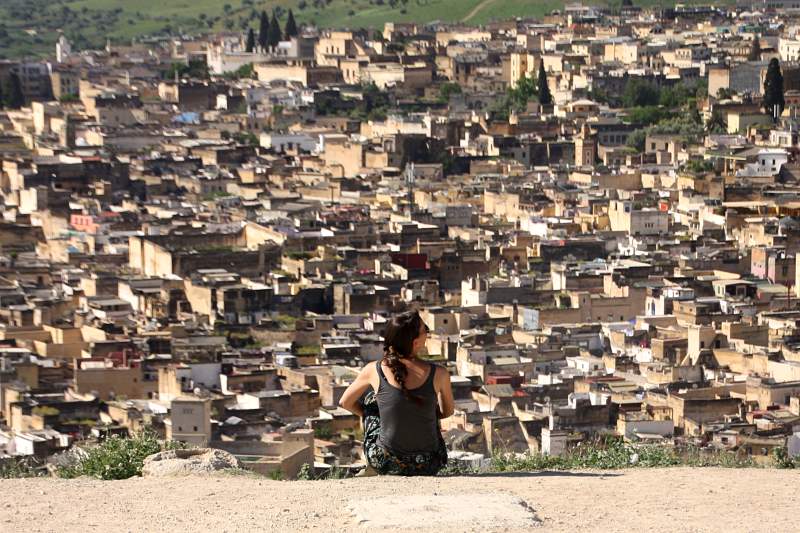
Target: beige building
109, 382
623, 215
189, 420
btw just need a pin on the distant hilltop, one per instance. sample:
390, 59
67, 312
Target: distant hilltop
31, 27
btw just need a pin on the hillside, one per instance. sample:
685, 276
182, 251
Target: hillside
30, 27
677, 499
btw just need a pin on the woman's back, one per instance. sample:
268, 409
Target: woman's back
408, 424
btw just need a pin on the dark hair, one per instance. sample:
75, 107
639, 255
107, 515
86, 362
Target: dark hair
398, 343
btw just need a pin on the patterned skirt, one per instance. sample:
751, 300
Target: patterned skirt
387, 463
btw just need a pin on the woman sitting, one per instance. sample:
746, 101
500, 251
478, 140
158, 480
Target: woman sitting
408, 396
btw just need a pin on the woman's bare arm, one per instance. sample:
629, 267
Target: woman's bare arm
445, 390
356, 390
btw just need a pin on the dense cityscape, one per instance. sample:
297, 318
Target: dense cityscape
596, 213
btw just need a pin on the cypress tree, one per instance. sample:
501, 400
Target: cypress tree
274, 35
291, 27
755, 50
251, 41
545, 98
12, 92
773, 88
263, 31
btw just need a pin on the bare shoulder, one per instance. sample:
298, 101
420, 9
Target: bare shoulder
441, 372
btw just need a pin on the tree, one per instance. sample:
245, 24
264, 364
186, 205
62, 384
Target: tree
773, 89
640, 93
291, 26
755, 50
447, 90
251, 41
648, 115
195, 68
274, 34
716, 122
724, 93
263, 31
637, 140
12, 92
545, 98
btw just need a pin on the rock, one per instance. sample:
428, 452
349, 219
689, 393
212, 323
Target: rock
188, 462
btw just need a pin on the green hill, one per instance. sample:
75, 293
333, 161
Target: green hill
30, 27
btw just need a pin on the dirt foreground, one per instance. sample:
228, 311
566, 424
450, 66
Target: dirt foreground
675, 499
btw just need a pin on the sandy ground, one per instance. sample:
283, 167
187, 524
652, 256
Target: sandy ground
678, 499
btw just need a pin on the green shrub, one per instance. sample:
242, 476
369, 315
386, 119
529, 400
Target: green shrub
612, 453
307, 350
527, 462
45, 410
305, 473
323, 432
116, 457
781, 458
286, 321
338, 473
18, 467
456, 468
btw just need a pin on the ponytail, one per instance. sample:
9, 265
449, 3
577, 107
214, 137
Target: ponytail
398, 343
399, 370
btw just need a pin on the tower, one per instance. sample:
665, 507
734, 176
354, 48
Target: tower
410, 186
63, 49
585, 147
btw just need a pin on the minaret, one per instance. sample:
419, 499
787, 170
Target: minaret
63, 49
410, 186
585, 148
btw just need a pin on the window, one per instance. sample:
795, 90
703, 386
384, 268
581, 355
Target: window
180, 428
195, 428
702, 344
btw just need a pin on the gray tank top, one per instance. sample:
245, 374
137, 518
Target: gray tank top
407, 426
